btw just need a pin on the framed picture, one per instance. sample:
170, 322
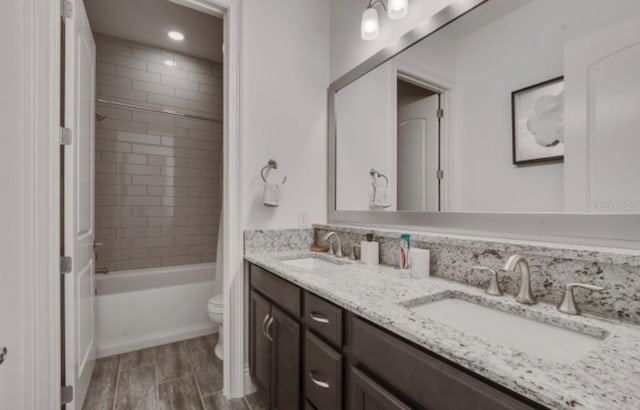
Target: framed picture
537, 115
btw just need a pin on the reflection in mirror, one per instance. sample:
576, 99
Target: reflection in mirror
518, 106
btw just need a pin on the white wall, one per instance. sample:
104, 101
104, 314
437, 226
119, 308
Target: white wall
12, 206
284, 80
490, 65
364, 128
348, 49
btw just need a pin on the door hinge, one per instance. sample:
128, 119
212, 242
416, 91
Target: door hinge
66, 9
440, 113
66, 394
66, 264
65, 136
440, 174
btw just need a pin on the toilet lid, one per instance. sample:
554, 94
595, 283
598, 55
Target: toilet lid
217, 300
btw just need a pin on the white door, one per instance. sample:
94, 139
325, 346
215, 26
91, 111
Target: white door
79, 203
602, 98
418, 146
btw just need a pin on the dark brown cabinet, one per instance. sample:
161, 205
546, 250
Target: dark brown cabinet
285, 390
366, 394
260, 345
275, 353
308, 353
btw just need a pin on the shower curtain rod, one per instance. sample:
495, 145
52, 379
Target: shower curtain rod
154, 110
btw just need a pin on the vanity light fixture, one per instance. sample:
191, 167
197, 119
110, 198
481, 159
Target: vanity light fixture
370, 25
175, 35
398, 9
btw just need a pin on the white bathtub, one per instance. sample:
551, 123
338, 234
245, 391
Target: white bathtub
148, 307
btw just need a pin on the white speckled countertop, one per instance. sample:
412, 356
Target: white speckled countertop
607, 377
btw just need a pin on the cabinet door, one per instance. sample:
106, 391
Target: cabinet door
259, 345
285, 389
368, 395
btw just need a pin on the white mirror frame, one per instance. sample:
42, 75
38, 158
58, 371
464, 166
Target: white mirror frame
621, 231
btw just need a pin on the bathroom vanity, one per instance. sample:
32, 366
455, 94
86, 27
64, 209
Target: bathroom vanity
304, 349
328, 333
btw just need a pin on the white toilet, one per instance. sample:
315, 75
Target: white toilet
216, 308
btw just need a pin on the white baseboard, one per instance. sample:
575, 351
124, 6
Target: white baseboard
249, 387
129, 345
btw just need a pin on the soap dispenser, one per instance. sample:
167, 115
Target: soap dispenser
370, 250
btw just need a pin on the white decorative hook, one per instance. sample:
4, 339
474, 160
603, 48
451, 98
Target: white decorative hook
376, 174
272, 164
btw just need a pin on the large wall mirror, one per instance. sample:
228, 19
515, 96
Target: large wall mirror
515, 107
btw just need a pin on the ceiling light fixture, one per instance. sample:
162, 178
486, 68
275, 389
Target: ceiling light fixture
370, 25
175, 35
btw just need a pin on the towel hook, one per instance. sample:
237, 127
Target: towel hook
272, 164
375, 173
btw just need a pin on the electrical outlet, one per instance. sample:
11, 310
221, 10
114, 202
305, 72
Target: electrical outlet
303, 219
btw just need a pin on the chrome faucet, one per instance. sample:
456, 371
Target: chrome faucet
338, 252
524, 295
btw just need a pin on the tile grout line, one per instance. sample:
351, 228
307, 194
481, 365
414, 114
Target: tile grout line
155, 376
115, 391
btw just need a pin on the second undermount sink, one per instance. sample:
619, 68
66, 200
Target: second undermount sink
537, 338
311, 263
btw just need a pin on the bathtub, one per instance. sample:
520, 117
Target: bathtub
148, 307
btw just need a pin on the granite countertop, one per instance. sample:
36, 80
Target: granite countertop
607, 377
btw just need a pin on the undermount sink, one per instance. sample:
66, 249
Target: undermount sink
543, 340
311, 263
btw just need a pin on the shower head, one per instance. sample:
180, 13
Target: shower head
100, 117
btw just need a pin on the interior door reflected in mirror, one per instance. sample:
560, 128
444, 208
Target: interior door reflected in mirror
522, 106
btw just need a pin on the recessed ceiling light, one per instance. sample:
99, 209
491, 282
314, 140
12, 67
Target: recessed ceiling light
170, 63
175, 35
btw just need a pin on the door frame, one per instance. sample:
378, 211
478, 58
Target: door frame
233, 377
40, 121
447, 90
41, 34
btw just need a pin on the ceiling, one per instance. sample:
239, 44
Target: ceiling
147, 22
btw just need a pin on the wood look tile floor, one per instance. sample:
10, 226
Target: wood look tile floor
179, 376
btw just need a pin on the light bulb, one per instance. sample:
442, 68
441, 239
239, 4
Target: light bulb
397, 9
175, 35
370, 24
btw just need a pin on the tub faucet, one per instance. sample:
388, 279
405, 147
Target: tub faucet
338, 252
524, 295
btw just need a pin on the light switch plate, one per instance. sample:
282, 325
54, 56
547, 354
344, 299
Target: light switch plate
303, 219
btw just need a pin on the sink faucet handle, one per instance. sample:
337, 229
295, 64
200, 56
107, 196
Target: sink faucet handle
568, 304
353, 255
494, 286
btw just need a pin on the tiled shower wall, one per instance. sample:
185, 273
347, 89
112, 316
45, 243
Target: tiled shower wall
158, 177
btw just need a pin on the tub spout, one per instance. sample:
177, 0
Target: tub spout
102, 271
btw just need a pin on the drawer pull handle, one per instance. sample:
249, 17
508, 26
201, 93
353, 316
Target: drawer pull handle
317, 382
268, 333
264, 322
318, 318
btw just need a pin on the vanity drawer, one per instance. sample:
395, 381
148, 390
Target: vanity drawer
422, 378
281, 292
324, 318
322, 374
